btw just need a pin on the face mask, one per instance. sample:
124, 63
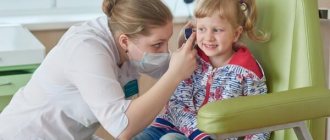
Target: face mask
152, 64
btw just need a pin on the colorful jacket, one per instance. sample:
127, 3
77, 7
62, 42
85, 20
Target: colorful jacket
242, 76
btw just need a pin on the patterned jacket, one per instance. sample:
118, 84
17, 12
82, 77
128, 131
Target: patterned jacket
242, 76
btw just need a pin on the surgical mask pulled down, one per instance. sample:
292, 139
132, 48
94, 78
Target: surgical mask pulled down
152, 64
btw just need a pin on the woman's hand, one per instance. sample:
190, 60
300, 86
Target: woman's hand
183, 61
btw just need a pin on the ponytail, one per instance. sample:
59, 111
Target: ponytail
248, 15
108, 6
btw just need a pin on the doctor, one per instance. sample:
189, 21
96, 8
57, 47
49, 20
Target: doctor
83, 81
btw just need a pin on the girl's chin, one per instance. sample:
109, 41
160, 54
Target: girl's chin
209, 53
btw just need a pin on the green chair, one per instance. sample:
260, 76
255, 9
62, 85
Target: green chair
293, 62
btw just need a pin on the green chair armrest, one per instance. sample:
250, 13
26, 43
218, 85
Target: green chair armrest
260, 111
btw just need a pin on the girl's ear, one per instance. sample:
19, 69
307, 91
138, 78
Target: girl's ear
123, 41
238, 33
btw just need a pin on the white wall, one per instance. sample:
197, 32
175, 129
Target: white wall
10, 7
46, 4
78, 3
25, 4
60, 14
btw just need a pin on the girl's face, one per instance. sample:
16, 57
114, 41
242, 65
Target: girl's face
156, 42
215, 36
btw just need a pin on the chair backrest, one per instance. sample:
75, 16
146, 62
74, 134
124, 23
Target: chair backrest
294, 55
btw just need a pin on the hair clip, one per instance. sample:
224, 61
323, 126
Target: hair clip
243, 5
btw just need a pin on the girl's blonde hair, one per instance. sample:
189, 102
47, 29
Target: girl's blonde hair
133, 17
237, 12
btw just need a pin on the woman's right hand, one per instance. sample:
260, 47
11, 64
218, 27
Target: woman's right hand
183, 60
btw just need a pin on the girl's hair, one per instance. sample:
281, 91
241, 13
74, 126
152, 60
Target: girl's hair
133, 17
237, 12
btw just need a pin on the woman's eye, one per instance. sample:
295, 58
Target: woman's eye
158, 45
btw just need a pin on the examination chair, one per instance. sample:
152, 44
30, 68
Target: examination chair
292, 59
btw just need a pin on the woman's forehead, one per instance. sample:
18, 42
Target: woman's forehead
161, 33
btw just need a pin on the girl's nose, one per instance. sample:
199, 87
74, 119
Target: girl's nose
209, 36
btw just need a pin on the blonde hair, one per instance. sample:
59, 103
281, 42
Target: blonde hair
132, 17
237, 12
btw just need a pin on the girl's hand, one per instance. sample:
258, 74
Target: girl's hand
183, 60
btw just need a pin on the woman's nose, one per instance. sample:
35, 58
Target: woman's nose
164, 49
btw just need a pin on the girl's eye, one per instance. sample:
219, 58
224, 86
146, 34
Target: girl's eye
201, 29
217, 30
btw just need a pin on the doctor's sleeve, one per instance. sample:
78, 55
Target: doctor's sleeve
91, 69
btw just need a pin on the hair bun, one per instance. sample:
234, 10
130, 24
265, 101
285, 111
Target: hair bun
108, 6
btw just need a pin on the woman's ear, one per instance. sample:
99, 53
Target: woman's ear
123, 41
238, 33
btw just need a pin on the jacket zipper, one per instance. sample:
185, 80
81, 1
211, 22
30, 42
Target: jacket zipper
208, 87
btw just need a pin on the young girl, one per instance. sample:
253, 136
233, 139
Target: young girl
226, 69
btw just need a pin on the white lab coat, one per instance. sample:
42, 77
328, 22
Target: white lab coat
77, 87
